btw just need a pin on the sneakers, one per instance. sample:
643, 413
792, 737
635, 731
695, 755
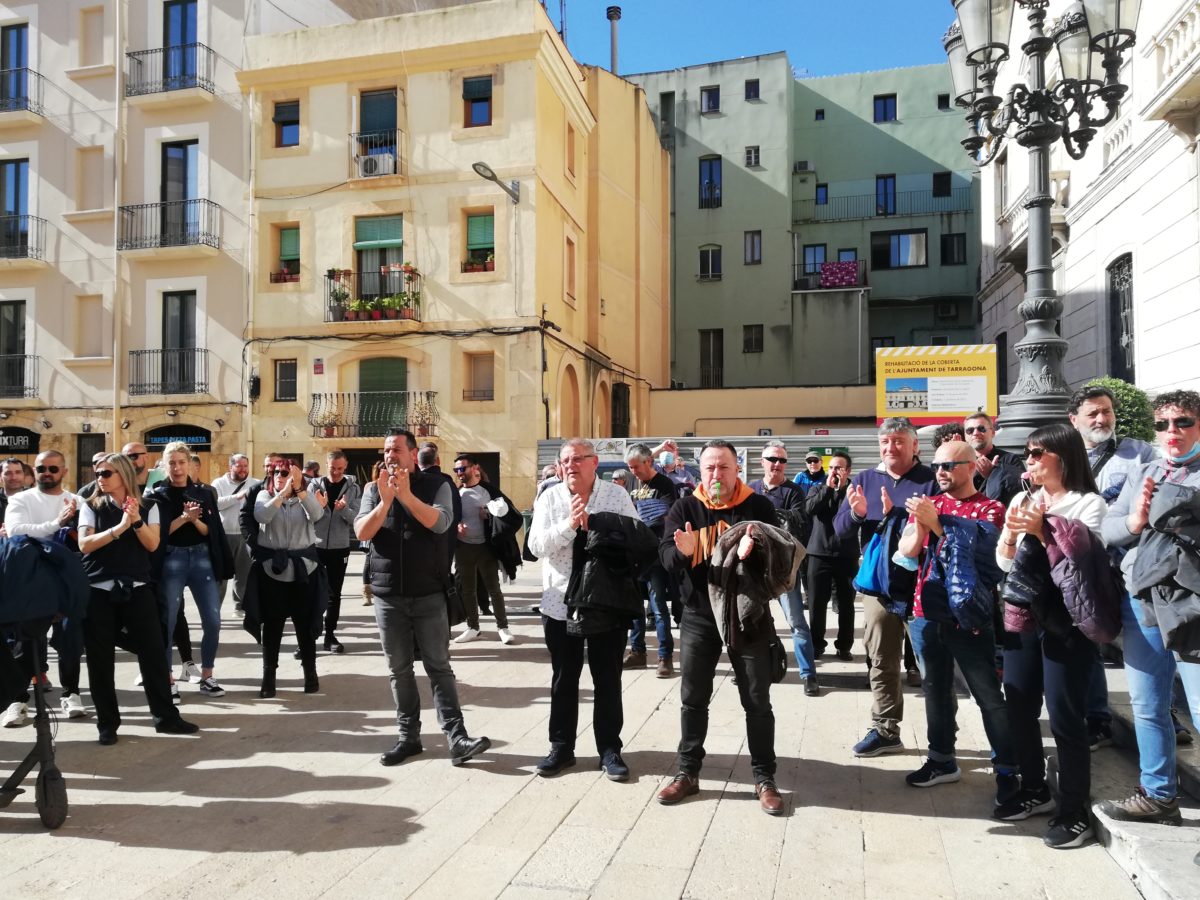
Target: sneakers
1067, 833
934, 772
15, 716
72, 706
137, 682
468, 634
1008, 785
176, 726
634, 659
175, 698
555, 761
190, 673
1099, 735
506, 636
875, 744
1025, 804
210, 688
1141, 807
614, 767
666, 668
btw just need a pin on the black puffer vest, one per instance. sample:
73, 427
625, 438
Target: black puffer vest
124, 557
407, 559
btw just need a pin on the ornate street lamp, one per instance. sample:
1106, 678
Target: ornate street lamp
1091, 37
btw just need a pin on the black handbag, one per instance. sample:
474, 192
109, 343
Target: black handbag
456, 611
778, 658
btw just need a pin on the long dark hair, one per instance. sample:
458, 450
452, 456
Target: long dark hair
1065, 442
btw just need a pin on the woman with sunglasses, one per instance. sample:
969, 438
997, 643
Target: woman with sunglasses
1150, 668
288, 577
1040, 664
118, 533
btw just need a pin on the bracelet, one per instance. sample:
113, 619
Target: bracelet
138, 524
1011, 543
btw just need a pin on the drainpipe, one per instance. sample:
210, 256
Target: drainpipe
118, 315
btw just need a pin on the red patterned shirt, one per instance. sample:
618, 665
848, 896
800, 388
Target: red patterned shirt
977, 506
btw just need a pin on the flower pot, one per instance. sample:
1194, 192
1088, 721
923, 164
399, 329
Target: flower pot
489, 266
351, 315
377, 314
407, 314
329, 431
391, 313
337, 313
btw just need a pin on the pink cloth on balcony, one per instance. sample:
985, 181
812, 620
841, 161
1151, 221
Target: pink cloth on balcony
839, 274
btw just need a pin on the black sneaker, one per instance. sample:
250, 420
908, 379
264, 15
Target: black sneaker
1099, 735
555, 761
875, 744
1025, 804
1008, 785
932, 773
1067, 833
210, 688
614, 767
465, 749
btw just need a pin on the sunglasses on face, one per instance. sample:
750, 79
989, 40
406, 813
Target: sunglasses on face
281, 471
1181, 423
972, 429
1035, 452
778, 460
134, 455
949, 466
105, 473
460, 469
53, 470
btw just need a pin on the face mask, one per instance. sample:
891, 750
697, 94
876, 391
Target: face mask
666, 459
1190, 455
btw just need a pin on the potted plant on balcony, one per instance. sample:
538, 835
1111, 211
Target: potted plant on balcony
392, 305
376, 308
327, 422
357, 309
410, 271
338, 296
472, 266
489, 263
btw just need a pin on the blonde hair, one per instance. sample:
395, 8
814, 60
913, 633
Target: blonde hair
177, 447
124, 468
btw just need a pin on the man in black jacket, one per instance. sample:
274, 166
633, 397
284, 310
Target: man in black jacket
997, 472
832, 560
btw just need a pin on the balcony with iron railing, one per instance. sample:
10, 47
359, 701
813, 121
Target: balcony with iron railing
187, 227
393, 292
710, 196
22, 242
374, 154
170, 75
370, 414
18, 377
880, 206
712, 377
21, 92
172, 371
841, 275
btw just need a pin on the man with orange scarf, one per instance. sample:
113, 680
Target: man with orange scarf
690, 533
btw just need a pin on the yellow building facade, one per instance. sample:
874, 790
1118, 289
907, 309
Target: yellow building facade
392, 283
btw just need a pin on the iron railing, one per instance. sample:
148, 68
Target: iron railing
480, 394
393, 292
174, 223
284, 277
373, 413
883, 205
174, 371
710, 196
22, 237
169, 69
376, 153
830, 275
18, 377
21, 89
711, 377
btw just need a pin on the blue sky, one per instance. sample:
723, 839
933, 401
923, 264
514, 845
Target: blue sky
826, 37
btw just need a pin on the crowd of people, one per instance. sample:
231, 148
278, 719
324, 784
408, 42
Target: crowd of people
1014, 569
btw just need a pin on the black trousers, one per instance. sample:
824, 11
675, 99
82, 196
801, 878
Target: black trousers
334, 562
604, 654
829, 577
182, 638
277, 602
700, 651
139, 617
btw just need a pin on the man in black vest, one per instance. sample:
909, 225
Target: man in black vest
406, 514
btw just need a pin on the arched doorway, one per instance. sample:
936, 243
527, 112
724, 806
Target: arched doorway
568, 403
601, 420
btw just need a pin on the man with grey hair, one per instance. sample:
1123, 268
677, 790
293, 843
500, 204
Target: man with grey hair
652, 497
232, 488
870, 499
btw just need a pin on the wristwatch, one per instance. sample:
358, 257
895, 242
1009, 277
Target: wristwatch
138, 524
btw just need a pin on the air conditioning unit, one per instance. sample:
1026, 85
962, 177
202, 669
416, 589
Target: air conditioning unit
801, 165
376, 164
946, 309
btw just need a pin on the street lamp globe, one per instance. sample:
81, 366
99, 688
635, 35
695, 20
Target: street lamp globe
986, 25
1112, 22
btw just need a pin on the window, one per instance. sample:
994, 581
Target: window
91, 36
179, 370
752, 339
885, 107
287, 123
954, 249
710, 182
289, 255
1002, 362
480, 380
14, 61
89, 326
481, 242
814, 258
710, 99
569, 270
621, 411
939, 340
12, 348
285, 380
751, 157
710, 263
819, 115
378, 246
1121, 357
570, 149
753, 247
943, 102
376, 148
822, 194
876, 343
1001, 175
885, 195
751, 88
14, 207
941, 184
712, 358
89, 189
477, 101
898, 249
848, 254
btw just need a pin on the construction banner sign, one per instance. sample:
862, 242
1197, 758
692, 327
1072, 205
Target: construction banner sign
937, 384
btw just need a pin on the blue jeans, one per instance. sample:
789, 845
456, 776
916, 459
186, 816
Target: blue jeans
1150, 673
191, 567
802, 642
938, 647
660, 587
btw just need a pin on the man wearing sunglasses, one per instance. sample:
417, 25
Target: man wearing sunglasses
997, 472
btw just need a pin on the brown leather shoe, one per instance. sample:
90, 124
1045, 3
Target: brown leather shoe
665, 668
769, 799
634, 660
682, 787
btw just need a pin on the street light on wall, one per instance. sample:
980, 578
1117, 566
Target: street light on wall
513, 188
1090, 37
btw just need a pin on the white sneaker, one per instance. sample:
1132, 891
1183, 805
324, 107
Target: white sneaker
468, 634
190, 673
15, 716
72, 706
505, 636
175, 698
137, 682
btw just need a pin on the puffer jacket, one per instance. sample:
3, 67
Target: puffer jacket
741, 590
1029, 587
961, 574
1081, 568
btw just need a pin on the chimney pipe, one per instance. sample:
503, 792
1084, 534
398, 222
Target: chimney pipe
614, 15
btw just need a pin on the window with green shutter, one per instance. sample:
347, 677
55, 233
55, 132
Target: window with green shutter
481, 239
289, 255
377, 112
382, 403
377, 232
477, 101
